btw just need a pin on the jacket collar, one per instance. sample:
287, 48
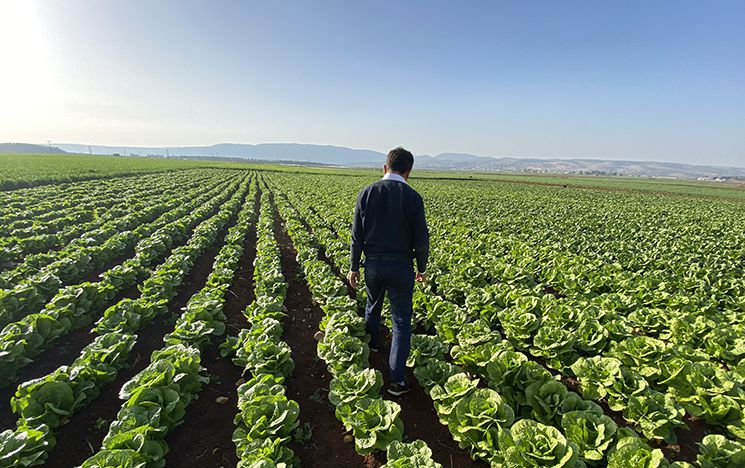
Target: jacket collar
396, 177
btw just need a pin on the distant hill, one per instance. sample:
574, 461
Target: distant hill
29, 148
342, 156
470, 162
325, 154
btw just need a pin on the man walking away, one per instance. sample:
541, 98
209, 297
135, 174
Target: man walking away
390, 227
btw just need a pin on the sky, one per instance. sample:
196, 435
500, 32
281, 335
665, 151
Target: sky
640, 80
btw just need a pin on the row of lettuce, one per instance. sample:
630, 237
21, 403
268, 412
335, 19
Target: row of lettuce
29, 285
156, 398
76, 306
31, 236
20, 209
266, 418
653, 413
43, 404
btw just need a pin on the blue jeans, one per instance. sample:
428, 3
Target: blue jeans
397, 277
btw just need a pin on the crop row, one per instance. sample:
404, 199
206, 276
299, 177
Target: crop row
155, 399
75, 306
33, 240
266, 418
101, 248
43, 403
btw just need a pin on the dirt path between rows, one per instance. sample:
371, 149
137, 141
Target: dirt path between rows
309, 382
205, 438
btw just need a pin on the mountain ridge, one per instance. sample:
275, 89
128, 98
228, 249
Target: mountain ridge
359, 157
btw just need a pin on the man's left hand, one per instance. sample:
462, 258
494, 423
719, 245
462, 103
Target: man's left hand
353, 277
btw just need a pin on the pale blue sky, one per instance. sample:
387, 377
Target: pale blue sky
649, 80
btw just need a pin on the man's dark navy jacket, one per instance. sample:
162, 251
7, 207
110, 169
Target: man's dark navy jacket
389, 223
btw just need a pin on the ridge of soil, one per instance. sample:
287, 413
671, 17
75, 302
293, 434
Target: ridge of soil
205, 437
83, 435
308, 385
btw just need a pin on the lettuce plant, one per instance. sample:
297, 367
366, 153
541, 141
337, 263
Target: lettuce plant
545, 400
414, 454
591, 337
516, 383
449, 394
478, 419
433, 373
347, 321
529, 443
642, 354
25, 446
120, 458
265, 416
265, 453
519, 326
425, 348
341, 351
717, 451
265, 355
574, 402
555, 343
592, 433
633, 452
657, 414
450, 322
353, 384
502, 365
374, 423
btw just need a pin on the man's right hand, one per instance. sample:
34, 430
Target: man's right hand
353, 277
421, 277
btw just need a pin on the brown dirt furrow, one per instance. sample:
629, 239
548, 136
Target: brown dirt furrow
83, 434
309, 382
205, 438
419, 416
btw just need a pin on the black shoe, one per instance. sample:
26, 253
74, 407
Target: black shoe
398, 389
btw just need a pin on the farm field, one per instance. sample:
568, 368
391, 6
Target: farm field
169, 316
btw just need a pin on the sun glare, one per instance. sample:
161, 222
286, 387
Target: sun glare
25, 66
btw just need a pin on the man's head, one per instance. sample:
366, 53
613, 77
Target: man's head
399, 161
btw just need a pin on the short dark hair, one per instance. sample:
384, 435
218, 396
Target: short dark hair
399, 160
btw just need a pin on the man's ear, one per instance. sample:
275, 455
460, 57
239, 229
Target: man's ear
385, 169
